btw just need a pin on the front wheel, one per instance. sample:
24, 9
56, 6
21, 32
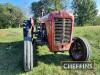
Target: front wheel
28, 54
80, 49
28, 46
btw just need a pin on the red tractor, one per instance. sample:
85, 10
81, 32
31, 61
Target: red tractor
54, 30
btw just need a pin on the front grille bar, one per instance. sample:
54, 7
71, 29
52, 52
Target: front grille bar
62, 28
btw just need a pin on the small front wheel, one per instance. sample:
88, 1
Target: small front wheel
28, 46
28, 54
80, 49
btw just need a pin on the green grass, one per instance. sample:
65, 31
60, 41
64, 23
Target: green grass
11, 54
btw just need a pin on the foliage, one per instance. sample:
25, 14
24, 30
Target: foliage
85, 11
97, 20
46, 6
36, 8
10, 16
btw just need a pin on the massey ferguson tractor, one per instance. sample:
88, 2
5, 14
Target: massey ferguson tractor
54, 30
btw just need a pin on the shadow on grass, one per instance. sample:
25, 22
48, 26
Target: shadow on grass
54, 58
11, 58
50, 58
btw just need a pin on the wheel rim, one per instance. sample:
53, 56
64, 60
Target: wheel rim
77, 50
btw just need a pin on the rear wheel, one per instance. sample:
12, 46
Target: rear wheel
80, 49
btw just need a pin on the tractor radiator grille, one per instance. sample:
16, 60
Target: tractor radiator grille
62, 30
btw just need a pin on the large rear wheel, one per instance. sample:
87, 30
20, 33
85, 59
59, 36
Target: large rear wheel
80, 49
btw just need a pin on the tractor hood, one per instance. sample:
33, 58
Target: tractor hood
61, 14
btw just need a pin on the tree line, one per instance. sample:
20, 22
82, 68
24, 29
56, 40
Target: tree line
85, 11
10, 16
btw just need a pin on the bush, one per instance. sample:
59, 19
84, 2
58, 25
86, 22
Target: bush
10, 16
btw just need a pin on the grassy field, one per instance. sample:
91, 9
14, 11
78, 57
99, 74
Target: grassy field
11, 54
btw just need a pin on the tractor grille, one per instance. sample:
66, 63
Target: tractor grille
63, 28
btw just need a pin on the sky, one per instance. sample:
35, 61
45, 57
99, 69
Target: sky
98, 6
26, 4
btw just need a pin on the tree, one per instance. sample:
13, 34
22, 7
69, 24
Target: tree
46, 6
10, 16
57, 4
97, 20
36, 8
84, 10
